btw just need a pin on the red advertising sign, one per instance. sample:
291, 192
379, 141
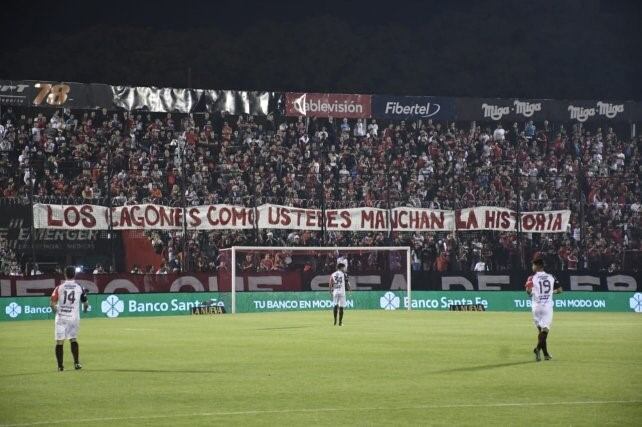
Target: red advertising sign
137, 283
328, 105
273, 281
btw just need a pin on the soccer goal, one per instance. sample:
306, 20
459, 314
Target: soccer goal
297, 278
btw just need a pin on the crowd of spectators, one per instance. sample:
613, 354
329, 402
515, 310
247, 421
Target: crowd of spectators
9, 264
63, 156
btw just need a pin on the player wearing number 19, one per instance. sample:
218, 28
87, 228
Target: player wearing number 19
65, 302
541, 286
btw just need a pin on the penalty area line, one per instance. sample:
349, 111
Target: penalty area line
321, 410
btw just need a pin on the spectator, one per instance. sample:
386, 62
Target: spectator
441, 263
529, 130
36, 270
499, 134
480, 266
162, 269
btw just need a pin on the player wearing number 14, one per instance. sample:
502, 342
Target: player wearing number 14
541, 286
65, 302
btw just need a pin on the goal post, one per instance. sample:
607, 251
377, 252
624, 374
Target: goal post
307, 268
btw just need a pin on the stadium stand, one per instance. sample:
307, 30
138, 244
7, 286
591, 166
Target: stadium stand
63, 156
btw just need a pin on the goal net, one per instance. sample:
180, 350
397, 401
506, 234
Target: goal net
297, 278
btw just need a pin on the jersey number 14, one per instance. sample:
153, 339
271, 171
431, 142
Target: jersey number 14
71, 296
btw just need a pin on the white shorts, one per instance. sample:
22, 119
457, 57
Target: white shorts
543, 316
339, 298
67, 330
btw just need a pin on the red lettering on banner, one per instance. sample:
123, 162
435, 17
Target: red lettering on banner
51, 221
471, 223
415, 219
298, 214
291, 216
424, 221
311, 214
136, 219
490, 219
459, 224
419, 220
178, 216
437, 220
347, 219
367, 216
238, 215
166, 217
394, 219
194, 217
331, 216
88, 219
528, 222
225, 215
497, 219
114, 218
380, 220
273, 220
505, 220
76, 220
125, 220
230, 217
399, 220
541, 221
285, 216
294, 215
210, 212
153, 220
472, 220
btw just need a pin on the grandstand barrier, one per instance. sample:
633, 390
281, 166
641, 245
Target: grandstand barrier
306, 281
170, 304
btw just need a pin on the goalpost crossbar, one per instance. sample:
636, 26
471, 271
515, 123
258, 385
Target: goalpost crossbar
234, 249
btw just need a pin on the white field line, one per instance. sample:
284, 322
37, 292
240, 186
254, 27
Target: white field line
313, 410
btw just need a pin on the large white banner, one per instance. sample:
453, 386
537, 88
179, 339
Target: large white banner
228, 217
502, 219
355, 219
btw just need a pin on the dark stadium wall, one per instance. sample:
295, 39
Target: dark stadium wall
562, 49
296, 281
139, 251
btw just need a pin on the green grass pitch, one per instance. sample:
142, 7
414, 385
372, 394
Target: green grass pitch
380, 368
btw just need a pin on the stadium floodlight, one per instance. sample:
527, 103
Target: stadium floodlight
367, 267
